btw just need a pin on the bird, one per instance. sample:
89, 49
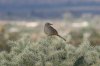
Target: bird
50, 31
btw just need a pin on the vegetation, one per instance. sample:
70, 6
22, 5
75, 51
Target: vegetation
49, 52
21, 46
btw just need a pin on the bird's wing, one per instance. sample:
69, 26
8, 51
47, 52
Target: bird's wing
53, 31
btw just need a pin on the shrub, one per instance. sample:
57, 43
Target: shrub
49, 52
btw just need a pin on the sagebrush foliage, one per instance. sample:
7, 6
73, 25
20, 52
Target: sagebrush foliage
49, 52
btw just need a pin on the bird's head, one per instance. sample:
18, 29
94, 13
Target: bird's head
48, 24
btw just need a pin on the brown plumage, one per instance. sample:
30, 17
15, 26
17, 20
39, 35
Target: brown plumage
49, 30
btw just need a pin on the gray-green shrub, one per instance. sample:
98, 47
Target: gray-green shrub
49, 52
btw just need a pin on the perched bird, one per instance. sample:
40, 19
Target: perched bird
49, 30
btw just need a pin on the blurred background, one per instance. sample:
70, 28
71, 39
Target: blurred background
74, 19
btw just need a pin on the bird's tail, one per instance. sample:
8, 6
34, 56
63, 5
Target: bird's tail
61, 37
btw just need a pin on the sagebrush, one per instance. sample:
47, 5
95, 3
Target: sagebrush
49, 52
